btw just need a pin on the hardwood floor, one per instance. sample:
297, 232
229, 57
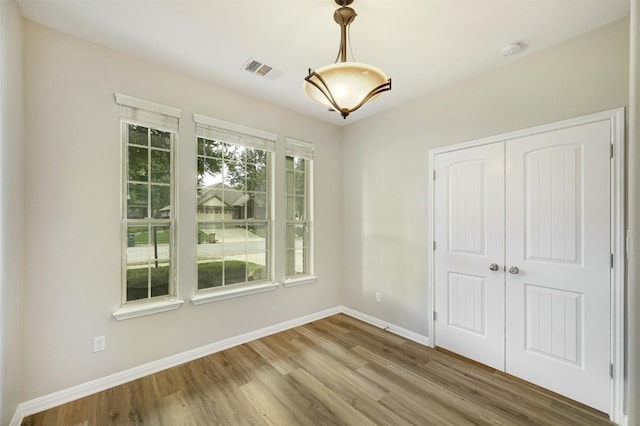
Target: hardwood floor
336, 371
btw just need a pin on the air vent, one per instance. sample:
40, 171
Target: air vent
260, 69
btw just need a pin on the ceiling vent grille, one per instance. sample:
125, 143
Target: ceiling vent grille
260, 69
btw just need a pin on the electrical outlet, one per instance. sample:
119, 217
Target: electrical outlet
378, 297
98, 343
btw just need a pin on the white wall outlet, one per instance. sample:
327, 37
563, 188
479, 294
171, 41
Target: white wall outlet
98, 343
378, 297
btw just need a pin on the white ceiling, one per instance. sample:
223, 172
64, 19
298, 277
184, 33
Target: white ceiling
423, 45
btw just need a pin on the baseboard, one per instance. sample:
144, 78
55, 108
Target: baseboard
403, 332
17, 417
73, 393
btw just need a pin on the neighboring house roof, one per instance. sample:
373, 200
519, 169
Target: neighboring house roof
219, 194
224, 194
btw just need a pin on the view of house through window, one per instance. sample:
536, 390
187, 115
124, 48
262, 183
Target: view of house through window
148, 210
233, 212
298, 188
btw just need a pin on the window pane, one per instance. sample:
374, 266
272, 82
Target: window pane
137, 283
138, 135
138, 202
149, 180
290, 208
160, 280
289, 163
233, 152
159, 246
297, 236
159, 243
160, 139
257, 206
161, 201
257, 238
210, 148
296, 249
256, 178
235, 271
300, 262
300, 209
300, 164
138, 163
209, 234
290, 183
300, 183
138, 257
209, 273
234, 175
209, 251
160, 166
202, 146
257, 267
148, 261
234, 204
209, 171
232, 187
256, 156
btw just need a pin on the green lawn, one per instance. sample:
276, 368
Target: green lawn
209, 276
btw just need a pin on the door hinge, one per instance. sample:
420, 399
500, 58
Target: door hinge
611, 370
435, 316
610, 150
434, 175
611, 260
434, 245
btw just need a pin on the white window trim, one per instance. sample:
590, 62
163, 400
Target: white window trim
138, 103
300, 280
302, 149
216, 295
135, 310
237, 128
208, 295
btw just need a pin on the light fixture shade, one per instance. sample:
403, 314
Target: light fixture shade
345, 86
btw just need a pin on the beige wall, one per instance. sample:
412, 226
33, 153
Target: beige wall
385, 158
72, 268
633, 285
11, 207
72, 235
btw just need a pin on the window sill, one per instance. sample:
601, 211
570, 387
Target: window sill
306, 279
225, 293
142, 309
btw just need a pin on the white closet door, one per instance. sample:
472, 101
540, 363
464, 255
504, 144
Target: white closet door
469, 232
558, 236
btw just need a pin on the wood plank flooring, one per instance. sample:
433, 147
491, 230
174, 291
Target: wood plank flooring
335, 371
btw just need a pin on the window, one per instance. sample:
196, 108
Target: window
299, 170
234, 205
148, 207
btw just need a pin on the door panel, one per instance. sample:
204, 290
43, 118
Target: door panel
558, 236
469, 232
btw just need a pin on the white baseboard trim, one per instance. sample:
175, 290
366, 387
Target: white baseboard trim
403, 332
17, 417
73, 393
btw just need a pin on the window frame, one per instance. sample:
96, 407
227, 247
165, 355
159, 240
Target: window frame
234, 134
303, 150
162, 118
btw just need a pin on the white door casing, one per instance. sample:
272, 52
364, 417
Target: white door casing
558, 236
564, 330
469, 200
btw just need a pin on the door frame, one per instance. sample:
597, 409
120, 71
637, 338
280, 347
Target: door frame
616, 117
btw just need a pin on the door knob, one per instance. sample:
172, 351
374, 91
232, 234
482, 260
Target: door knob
493, 267
514, 270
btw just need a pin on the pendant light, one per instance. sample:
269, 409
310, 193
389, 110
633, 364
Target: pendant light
345, 86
